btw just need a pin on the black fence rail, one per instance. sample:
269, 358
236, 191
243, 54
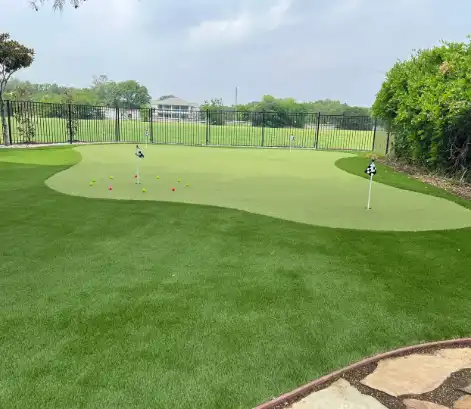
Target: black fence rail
36, 122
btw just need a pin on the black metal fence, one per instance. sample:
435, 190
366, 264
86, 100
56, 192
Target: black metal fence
36, 122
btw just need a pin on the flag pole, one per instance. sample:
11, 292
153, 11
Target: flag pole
369, 192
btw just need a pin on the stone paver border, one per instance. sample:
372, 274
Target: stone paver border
306, 389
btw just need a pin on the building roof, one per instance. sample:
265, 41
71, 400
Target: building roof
173, 101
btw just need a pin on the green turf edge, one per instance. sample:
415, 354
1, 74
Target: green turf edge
356, 166
44, 155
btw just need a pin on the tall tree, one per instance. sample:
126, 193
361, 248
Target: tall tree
128, 94
131, 94
13, 57
214, 111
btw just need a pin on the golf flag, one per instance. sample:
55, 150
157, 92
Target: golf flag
370, 171
292, 138
139, 153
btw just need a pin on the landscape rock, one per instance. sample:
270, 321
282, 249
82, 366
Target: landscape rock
419, 404
463, 403
417, 374
466, 389
339, 395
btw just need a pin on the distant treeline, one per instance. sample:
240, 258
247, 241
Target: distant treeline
280, 113
269, 112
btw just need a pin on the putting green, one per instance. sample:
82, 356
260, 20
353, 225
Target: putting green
303, 186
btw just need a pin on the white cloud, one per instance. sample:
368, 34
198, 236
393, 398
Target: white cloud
118, 15
348, 6
240, 27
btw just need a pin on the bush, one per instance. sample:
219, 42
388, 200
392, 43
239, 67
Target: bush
427, 101
24, 118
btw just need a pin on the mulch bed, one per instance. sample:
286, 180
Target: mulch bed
461, 189
447, 394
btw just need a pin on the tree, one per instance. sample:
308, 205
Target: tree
356, 119
13, 57
145, 113
56, 4
131, 94
279, 113
21, 110
166, 97
214, 112
126, 94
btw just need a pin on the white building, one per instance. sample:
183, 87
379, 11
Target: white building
174, 108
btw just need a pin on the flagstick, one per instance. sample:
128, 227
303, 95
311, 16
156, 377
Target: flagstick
369, 192
138, 179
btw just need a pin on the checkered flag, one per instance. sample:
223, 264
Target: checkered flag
371, 169
139, 153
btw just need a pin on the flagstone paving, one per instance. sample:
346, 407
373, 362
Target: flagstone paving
420, 404
339, 395
417, 374
463, 403
440, 379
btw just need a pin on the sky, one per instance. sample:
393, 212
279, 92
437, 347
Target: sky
203, 49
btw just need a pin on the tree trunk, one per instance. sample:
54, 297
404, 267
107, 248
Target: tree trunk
6, 140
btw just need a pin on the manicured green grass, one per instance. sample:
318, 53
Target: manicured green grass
126, 304
196, 133
302, 185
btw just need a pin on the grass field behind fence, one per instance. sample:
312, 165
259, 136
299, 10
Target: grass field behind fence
55, 130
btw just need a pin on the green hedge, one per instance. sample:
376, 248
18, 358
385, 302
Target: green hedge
427, 101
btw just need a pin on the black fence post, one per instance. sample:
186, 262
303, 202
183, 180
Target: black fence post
9, 115
316, 143
387, 142
117, 129
151, 114
374, 135
263, 128
71, 134
207, 127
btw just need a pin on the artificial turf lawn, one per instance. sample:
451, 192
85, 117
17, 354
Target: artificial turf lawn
126, 304
301, 185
